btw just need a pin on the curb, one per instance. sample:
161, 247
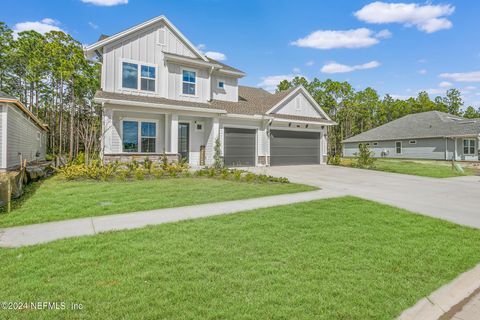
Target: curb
442, 300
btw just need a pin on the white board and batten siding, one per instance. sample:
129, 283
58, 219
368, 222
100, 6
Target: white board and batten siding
147, 46
20, 138
230, 90
299, 105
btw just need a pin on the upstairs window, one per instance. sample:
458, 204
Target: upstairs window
189, 82
469, 146
147, 78
130, 75
132, 72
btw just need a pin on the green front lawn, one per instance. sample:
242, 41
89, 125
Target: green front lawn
425, 168
343, 258
58, 199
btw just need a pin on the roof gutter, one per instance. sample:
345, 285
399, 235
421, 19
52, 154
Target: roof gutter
158, 105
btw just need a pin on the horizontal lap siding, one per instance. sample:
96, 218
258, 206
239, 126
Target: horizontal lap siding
433, 148
22, 138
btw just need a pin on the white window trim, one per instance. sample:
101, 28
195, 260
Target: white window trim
139, 71
412, 142
196, 83
140, 120
199, 122
401, 147
218, 84
474, 147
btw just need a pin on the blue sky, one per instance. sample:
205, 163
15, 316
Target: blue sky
396, 47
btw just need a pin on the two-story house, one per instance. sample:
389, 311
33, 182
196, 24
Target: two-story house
160, 94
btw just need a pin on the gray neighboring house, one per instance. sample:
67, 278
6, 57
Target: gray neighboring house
428, 135
22, 135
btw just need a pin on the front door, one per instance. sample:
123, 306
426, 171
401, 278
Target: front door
184, 140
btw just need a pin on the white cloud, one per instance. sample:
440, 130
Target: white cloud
310, 63
422, 71
92, 25
216, 55
105, 3
434, 91
383, 34
43, 26
422, 60
270, 83
201, 46
330, 39
334, 67
445, 84
296, 70
428, 18
473, 76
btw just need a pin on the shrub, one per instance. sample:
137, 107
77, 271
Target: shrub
334, 160
217, 158
365, 157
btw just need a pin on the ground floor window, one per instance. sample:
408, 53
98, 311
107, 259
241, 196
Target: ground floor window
139, 135
469, 146
398, 147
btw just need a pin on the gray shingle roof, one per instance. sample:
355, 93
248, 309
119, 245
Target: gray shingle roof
429, 124
251, 101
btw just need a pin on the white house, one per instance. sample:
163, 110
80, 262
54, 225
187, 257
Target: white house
22, 135
160, 94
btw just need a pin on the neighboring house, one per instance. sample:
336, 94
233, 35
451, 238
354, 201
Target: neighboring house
427, 135
161, 94
22, 135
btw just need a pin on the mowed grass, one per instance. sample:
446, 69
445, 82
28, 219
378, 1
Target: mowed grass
342, 258
57, 199
433, 169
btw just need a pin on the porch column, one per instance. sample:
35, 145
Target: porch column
478, 146
210, 147
174, 133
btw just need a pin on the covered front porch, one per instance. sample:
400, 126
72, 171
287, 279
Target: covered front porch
462, 148
153, 133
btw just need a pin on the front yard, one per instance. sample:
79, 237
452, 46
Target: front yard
343, 258
57, 199
425, 168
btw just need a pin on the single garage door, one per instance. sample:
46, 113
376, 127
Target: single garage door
294, 147
239, 150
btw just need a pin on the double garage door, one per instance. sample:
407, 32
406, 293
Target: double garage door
294, 147
286, 147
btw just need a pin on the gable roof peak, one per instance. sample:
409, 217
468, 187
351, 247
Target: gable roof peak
90, 50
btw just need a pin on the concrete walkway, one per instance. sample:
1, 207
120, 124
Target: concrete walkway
46, 232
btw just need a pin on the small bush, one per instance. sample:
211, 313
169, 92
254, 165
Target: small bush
365, 157
334, 160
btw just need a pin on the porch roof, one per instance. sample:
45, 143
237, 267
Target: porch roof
251, 101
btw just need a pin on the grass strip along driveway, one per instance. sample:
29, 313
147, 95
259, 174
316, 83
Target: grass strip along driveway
342, 258
57, 199
425, 168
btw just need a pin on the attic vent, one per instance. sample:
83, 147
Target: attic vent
161, 36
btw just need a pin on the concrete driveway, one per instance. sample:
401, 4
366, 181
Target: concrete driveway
453, 199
